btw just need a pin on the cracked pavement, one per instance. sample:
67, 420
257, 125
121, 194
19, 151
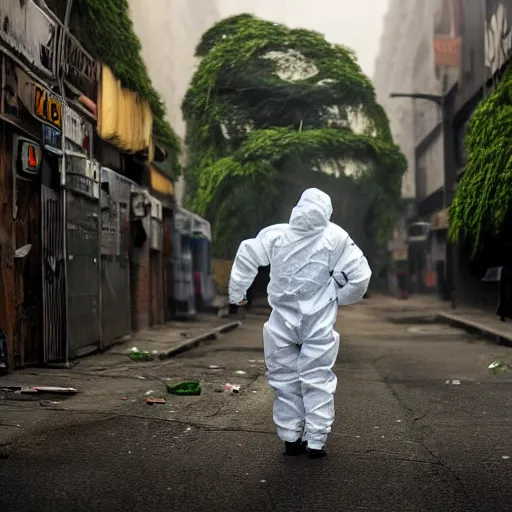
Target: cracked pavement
405, 437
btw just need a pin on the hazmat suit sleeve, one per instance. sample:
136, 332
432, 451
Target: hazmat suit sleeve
350, 271
251, 255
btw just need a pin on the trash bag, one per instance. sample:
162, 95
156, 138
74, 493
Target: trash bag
4, 361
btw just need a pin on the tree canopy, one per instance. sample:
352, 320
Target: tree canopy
482, 201
271, 109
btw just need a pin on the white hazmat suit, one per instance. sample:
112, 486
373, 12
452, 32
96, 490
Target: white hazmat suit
314, 267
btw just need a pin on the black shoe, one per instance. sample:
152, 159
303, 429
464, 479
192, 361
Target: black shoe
317, 454
296, 448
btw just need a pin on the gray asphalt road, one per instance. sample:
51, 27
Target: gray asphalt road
406, 437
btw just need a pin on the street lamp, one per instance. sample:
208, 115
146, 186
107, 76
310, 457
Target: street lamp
445, 103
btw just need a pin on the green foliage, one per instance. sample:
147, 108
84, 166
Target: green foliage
482, 199
250, 120
105, 29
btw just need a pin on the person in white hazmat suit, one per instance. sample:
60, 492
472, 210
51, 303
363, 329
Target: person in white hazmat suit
314, 268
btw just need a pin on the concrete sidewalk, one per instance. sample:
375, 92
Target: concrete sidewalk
428, 307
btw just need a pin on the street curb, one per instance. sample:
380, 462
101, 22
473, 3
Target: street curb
195, 342
492, 334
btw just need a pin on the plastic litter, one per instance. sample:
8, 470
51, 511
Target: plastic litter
499, 367
141, 355
456, 382
214, 367
241, 372
150, 392
232, 388
192, 388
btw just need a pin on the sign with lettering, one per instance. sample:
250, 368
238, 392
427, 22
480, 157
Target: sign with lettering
77, 130
447, 33
47, 107
79, 68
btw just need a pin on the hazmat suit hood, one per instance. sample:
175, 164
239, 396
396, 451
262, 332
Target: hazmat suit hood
312, 213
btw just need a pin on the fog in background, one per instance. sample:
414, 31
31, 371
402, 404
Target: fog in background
169, 31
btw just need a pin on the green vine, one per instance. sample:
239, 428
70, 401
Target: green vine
248, 125
105, 29
483, 197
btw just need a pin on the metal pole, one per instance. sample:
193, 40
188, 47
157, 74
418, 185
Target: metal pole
63, 184
449, 165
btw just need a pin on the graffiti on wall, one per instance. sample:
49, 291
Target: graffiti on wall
498, 37
26, 29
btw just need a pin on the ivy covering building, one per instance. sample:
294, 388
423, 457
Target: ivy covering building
273, 110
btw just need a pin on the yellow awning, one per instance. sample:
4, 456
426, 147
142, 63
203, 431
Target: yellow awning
124, 119
161, 184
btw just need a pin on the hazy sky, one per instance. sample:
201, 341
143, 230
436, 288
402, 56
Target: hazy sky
354, 23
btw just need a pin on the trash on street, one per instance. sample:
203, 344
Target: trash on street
48, 403
499, 366
192, 388
30, 390
152, 401
142, 355
232, 388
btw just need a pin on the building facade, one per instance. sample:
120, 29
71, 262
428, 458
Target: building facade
420, 54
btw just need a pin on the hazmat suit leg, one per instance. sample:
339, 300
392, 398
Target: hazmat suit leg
320, 345
282, 351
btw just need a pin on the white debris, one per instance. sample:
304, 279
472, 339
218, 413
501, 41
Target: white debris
241, 372
456, 382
